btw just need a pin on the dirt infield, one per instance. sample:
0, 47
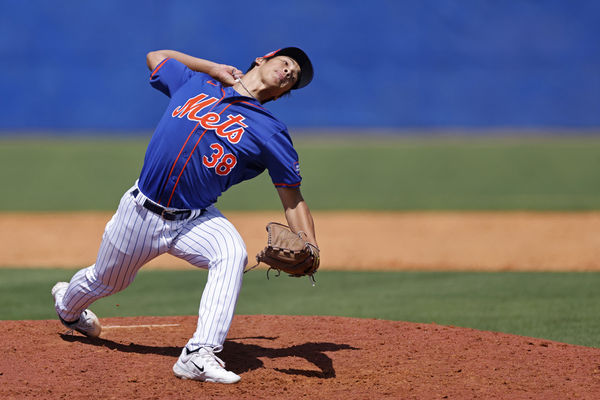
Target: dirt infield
368, 240
291, 357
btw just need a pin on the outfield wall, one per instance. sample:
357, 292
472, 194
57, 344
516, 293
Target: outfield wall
77, 65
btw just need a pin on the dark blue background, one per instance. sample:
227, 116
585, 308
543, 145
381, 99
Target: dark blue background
73, 65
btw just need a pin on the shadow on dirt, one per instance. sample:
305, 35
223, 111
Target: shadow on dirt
246, 357
241, 357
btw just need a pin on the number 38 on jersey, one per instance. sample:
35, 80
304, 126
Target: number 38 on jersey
221, 162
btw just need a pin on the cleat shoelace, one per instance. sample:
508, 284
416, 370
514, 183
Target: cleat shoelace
213, 359
208, 356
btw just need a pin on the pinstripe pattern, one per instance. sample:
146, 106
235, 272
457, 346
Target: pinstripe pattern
134, 236
215, 244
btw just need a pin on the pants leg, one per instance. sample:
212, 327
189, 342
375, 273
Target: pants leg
131, 238
212, 242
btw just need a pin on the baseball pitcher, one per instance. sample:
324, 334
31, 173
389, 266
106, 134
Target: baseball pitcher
214, 133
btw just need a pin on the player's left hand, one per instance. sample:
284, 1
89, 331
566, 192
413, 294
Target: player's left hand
289, 252
226, 74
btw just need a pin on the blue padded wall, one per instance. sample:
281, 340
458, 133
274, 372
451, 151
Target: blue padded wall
79, 65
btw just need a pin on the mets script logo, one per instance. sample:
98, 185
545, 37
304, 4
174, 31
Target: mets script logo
232, 128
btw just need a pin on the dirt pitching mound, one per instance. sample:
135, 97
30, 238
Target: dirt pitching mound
287, 357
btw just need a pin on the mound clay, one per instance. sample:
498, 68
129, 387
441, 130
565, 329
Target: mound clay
286, 357
291, 357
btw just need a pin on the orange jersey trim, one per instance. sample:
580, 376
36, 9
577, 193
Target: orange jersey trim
287, 184
159, 66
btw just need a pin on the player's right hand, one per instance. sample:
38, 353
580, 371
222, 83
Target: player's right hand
226, 74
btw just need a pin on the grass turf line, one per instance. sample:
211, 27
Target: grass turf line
392, 174
554, 306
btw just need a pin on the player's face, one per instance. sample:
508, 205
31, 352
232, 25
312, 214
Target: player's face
281, 73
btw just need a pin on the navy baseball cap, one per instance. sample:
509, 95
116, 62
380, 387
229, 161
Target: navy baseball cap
306, 68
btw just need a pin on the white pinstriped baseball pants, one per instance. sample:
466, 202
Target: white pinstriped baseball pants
135, 235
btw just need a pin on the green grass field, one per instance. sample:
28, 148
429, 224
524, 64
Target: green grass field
556, 306
372, 174
381, 174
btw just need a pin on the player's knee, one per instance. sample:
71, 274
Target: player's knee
239, 252
236, 257
239, 256
105, 284
245, 258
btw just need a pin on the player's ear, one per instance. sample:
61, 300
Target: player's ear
259, 60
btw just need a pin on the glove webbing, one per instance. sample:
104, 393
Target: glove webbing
310, 277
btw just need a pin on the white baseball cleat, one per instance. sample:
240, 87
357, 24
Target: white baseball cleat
203, 365
88, 323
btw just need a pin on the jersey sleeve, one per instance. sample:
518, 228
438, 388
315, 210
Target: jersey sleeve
169, 75
281, 160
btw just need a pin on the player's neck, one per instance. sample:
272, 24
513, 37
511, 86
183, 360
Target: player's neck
251, 85
243, 89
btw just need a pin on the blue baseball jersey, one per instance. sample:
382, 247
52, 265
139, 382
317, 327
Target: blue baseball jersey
210, 138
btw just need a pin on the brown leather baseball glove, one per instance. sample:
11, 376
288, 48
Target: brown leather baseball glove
289, 252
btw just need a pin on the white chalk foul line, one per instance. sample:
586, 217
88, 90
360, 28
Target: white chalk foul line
138, 326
